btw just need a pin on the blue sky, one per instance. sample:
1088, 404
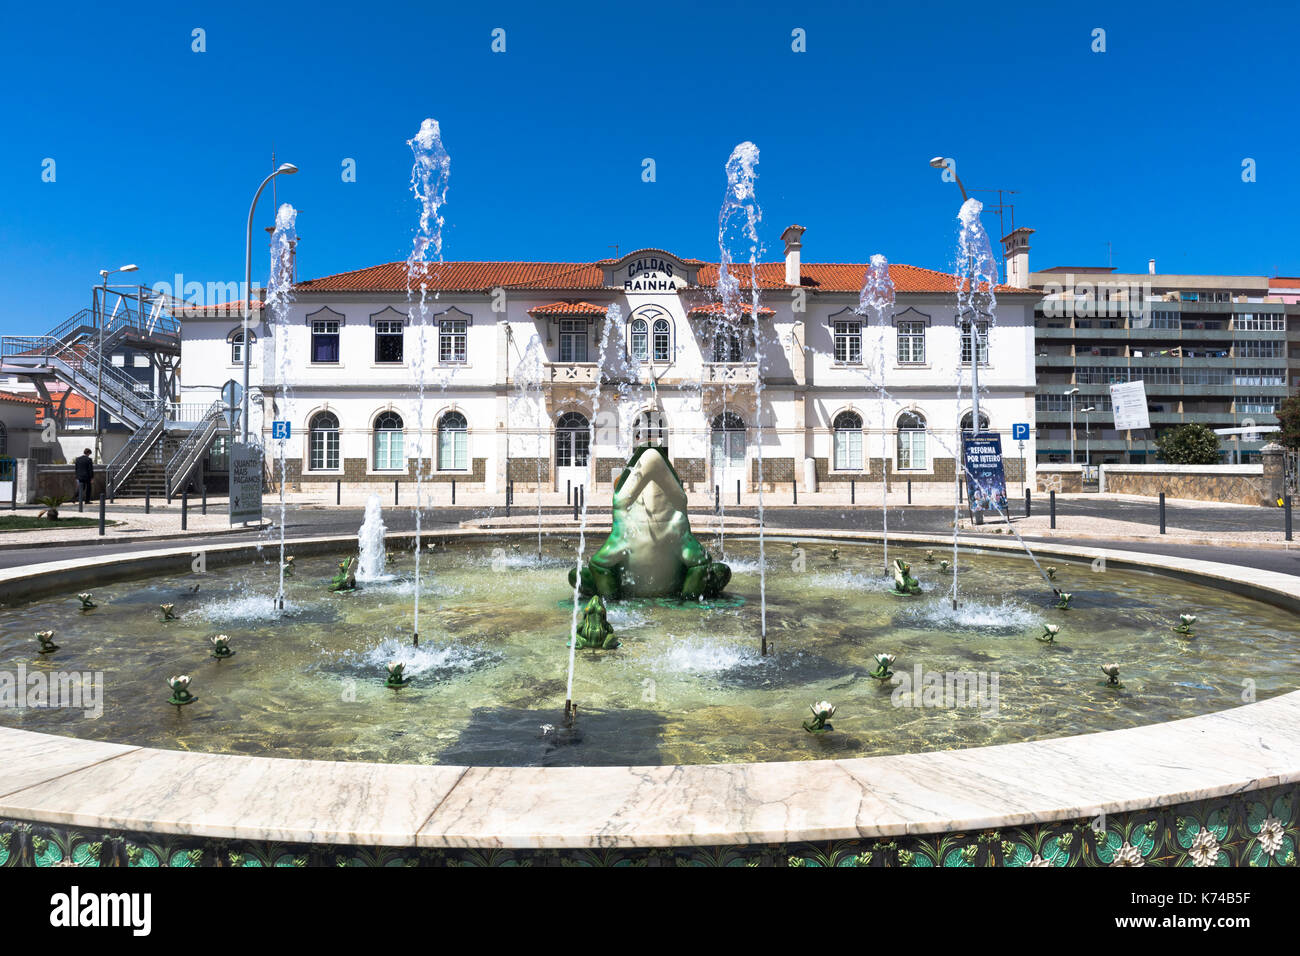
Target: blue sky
158, 149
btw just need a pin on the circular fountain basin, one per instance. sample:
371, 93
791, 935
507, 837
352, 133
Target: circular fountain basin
687, 687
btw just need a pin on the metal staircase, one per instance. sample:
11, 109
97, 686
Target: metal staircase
192, 449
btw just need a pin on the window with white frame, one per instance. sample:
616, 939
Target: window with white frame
911, 441
388, 341
1260, 322
640, 339
983, 332
911, 342
573, 340
325, 341
323, 442
389, 452
649, 427
452, 341
848, 341
237, 347
663, 345
847, 429
966, 420
453, 442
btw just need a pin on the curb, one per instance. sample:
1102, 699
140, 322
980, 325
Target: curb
109, 539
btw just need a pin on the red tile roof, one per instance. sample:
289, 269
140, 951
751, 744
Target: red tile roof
717, 308
590, 276
20, 399
235, 309
568, 308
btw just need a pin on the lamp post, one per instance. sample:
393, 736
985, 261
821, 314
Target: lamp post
99, 367
1087, 434
288, 169
1072, 392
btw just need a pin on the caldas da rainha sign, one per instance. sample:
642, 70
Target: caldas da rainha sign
651, 274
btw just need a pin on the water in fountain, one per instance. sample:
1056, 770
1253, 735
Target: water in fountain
278, 296
527, 404
429, 177
370, 566
614, 330
877, 296
738, 222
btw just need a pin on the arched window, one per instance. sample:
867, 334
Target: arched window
640, 340
323, 442
727, 441
662, 340
966, 423
911, 441
572, 441
237, 346
389, 452
848, 441
649, 427
453, 442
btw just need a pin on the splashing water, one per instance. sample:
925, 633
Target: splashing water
738, 222
877, 296
529, 405
279, 293
430, 174
370, 566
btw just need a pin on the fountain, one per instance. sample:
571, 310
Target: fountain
877, 297
371, 541
279, 293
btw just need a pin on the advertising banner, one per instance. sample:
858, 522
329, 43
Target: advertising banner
986, 480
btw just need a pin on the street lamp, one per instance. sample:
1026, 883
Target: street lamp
288, 169
940, 163
1072, 392
1087, 434
99, 368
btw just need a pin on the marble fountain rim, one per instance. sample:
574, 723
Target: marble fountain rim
52, 779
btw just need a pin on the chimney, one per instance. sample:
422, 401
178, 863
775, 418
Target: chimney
1151, 266
1015, 252
793, 239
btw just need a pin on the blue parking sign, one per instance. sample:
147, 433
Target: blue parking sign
1020, 431
280, 430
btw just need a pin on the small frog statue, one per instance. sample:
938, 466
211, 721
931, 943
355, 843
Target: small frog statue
1063, 599
289, 566
346, 579
1185, 624
1112, 675
180, 691
221, 647
396, 676
594, 630
904, 584
884, 666
1049, 633
46, 639
822, 712
1051, 572
86, 603
944, 566
168, 611
929, 557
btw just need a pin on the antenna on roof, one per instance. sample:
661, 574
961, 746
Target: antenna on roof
615, 248
1002, 229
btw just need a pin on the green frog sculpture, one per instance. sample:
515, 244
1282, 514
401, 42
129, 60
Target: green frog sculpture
346, 578
594, 630
650, 551
904, 584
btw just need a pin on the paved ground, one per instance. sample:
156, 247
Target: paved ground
305, 520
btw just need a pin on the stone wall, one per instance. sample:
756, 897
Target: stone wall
354, 475
39, 480
1230, 484
528, 470
1063, 479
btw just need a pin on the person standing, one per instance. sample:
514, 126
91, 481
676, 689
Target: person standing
85, 475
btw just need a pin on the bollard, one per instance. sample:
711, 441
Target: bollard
717, 499
185, 510
146, 499
737, 491
795, 486
961, 492
1052, 506
575, 507
338, 491
1028, 507
582, 497
81, 497
204, 490
101, 513
1286, 510
453, 491
1162, 512
568, 490
909, 491
394, 492
853, 492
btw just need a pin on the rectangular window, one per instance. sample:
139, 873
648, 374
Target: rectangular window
452, 346
848, 449
911, 450
325, 341
911, 343
848, 342
1261, 322
661, 339
324, 450
453, 449
573, 340
388, 342
1259, 348
388, 450
726, 346
983, 343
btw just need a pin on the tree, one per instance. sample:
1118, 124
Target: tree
1190, 444
1288, 419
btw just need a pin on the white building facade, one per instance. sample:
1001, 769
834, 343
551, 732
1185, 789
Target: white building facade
528, 379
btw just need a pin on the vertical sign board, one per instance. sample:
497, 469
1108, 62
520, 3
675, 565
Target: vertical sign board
1129, 400
245, 483
986, 479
